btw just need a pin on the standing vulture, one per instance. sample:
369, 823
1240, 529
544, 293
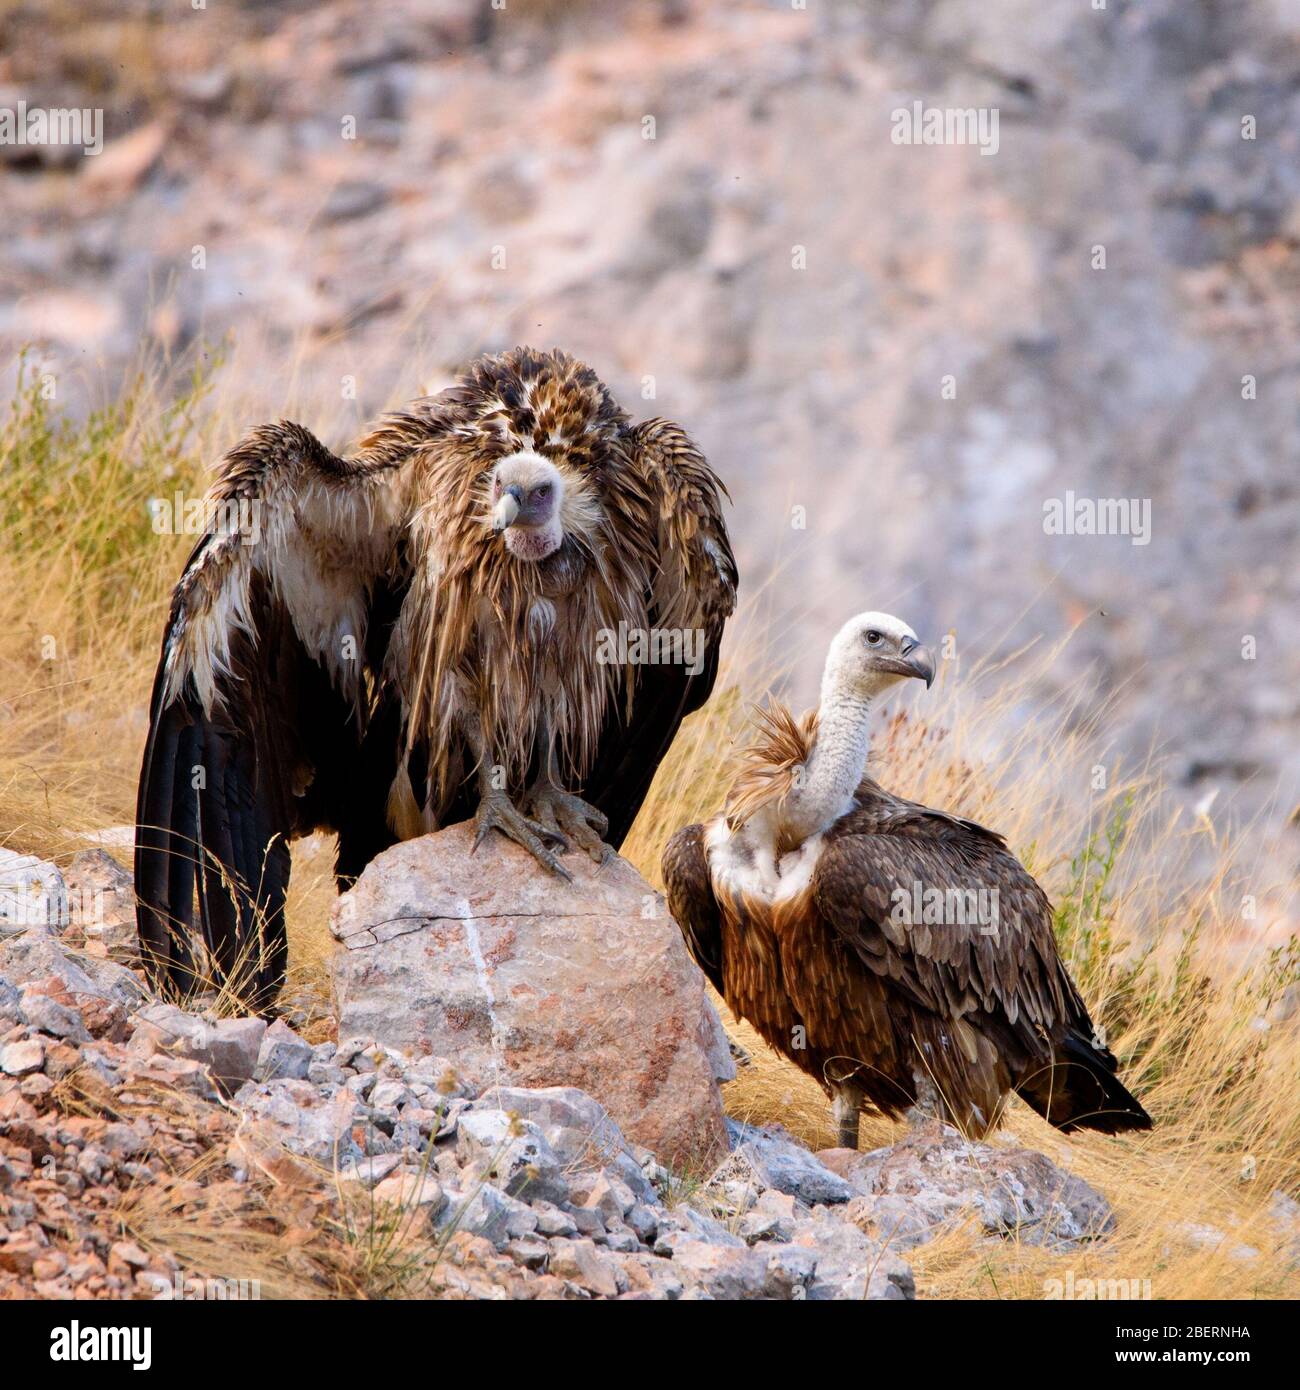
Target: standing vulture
446, 624
800, 904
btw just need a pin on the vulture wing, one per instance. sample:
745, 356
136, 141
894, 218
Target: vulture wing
880, 863
267, 677
691, 901
693, 594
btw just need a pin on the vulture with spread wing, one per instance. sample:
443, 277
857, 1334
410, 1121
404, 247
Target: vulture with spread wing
384, 644
898, 955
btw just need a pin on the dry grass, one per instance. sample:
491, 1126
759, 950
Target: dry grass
1178, 977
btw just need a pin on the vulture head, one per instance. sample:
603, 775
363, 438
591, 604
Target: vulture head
535, 503
872, 652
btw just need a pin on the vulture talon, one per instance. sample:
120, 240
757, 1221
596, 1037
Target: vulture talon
581, 822
497, 812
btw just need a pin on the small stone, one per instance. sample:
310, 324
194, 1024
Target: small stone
129, 1254
101, 906
369, 1172
551, 1221
49, 1266
580, 1263
512, 1153
531, 1251
643, 1222
588, 1221
484, 1212
603, 1193
780, 1162
19, 1058
47, 1015
412, 1191
32, 894
282, 1053
390, 1095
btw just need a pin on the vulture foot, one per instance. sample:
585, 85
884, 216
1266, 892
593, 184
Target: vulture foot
847, 1109
497, 812
571, 818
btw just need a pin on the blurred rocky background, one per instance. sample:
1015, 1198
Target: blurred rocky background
895, 354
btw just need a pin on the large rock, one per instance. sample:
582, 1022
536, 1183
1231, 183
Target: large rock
522, 979
931, 1181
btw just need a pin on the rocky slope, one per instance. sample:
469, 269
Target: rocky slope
771, 268
127, 1123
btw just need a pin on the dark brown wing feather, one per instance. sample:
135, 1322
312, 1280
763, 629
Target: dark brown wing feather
691, 902
256, 730
1010, 984
694, 589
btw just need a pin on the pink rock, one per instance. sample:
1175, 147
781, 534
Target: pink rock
519, 978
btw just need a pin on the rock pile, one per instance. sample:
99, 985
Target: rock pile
495, 1176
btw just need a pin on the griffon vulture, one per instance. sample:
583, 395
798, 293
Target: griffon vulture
800, 904
434, 628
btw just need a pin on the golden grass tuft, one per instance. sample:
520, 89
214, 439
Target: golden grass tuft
1149, 902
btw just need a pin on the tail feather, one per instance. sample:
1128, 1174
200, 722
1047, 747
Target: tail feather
1079, 1090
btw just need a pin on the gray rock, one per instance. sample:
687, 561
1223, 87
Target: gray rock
850, 1266
603, 1192
576, 1126
32, 894
294, 1115
353, 198
737, 1272
588, 1221
101, 906
581, 1264
38, 953
531, 1251
229, 1046
483, 1211
21, 1058
370, 1172
47, 1015
413, 1192
440, 1076
9, 1009
511, 1153
643, 1222
390, 1095
551, 1221
780, 1162
283, 1055
928, 1182
682, 1225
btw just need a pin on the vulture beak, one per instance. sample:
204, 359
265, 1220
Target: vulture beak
920, 662
507, 507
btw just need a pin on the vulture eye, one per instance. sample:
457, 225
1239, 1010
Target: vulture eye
873, 638
543, 492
